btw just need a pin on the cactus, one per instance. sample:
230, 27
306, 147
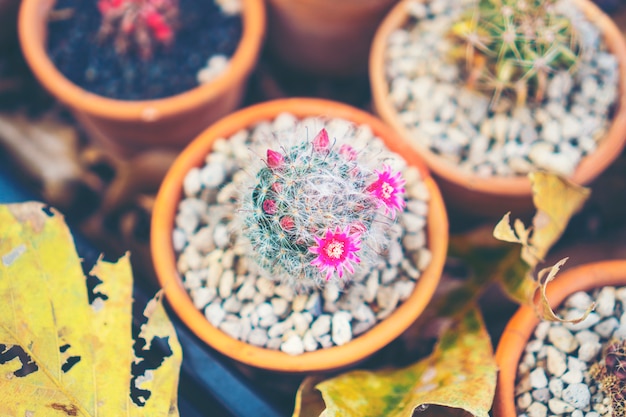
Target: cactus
316, 212
512, 46
610, 373
138, 24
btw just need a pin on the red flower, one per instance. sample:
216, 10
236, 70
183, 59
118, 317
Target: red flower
336, 251
287, 223
274, 159
321, 142
269, 206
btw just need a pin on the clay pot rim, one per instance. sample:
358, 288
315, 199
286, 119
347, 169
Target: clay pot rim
589, 168
29, 31
323, 359
523, 323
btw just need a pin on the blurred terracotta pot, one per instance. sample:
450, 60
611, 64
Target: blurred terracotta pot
522, 325
324, 37
130, 126
164, 257
470, 195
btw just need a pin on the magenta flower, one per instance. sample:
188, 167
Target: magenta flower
388, 189
274, 159
336, 251
321, 143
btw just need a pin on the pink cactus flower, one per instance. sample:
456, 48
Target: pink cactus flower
321, 144
388, 190
275, 160
336, 251
269, 206
287, 223
277, 187
348, 152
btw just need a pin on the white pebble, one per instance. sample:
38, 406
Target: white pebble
605, 301
562, 339
214, 313
577, 395
341, 329
538, 378
559, 407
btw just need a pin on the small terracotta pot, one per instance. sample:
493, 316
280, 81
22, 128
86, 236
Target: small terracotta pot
164, 258
522, 325
324, 37
129, 126
491, 197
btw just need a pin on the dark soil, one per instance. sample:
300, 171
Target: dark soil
74, 48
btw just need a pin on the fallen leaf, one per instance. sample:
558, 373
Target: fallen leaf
60, 355
557, 200
542, 305
448, 379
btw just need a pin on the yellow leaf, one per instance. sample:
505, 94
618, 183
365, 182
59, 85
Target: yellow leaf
542, 304
309, 402
75, 357
556, 200
462, 361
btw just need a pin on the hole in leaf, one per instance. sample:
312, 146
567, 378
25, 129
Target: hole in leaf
9, 353
64, 348
69, 363
92, 292
47, 210
150, 359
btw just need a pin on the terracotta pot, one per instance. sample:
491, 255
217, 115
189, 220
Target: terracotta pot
129, 126
523, 323
491, 197
324, 37
358, 349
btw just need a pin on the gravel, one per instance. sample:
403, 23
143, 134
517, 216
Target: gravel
440, 113
559, 355
234, 293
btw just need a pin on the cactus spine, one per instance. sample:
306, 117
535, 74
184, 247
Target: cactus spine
512, 46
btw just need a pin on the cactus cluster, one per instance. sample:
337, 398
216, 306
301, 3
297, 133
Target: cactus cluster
315, 211
138, 24
610, 373
510, 47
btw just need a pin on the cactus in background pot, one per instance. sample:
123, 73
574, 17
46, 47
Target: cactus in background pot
317, 211
138, 24
511, 46
610, 373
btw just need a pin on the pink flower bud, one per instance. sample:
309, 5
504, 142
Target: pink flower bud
348, 152
321, 142
357, 227
269, 206
274, 159
277, 187
287, 223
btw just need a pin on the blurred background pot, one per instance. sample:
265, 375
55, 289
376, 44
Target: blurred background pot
468, 195
522, 325
324, 37
131, 126
336, 357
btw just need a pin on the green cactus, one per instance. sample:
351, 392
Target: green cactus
316, 211
510, 47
